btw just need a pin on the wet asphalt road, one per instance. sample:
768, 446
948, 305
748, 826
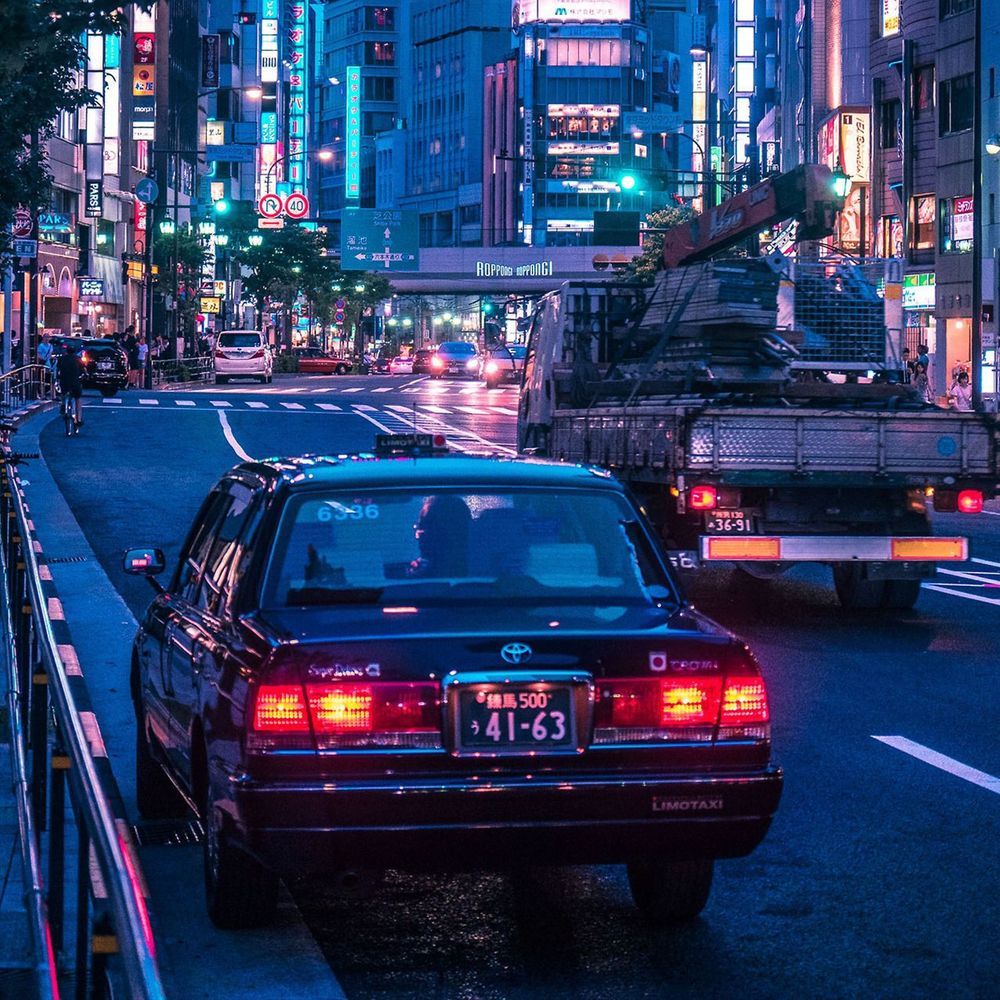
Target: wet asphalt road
880, 876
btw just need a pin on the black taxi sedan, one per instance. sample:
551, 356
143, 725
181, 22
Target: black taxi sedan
415, 661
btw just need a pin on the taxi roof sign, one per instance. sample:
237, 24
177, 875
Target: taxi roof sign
410, 445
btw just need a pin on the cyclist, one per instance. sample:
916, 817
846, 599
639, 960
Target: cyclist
70, 372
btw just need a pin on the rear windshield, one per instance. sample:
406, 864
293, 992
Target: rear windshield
516, 351
457, 348
239, 340
458, 546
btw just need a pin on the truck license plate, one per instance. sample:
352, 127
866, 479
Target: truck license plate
729, 522
512, 717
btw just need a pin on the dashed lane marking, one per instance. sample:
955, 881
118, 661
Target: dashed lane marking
354, 388
219, 403
430, 407
366, 408
384, 388
961, 593
474, 410
328, 406
939, 760
255, 404
185, 402
504, 409
293, 406
149, 402
111, 402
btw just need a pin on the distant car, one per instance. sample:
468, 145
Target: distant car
242, 354
455, 357
105, 363
445, 662
423, 361
401, 366
503, 363
380, 366
315, 361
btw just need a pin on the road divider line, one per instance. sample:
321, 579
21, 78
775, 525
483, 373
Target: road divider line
256, 404
968, 576
504, 409
327, 406
293, 406
185, 402
372, 420
219, 403
355, 388
985, 562
384, 388
939, 760
430, 408
149, 402
111, 401
960, 593
231, 437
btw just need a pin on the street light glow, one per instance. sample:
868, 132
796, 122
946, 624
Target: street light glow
993, 144
254, 93
256, 239
359, 288
627, 182
326, 155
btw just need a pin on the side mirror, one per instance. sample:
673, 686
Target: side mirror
144, 562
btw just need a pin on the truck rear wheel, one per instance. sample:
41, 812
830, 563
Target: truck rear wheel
854, 592
901, 595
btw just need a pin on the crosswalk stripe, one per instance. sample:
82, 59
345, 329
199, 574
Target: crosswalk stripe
504, 409
365, 408
383, 388
471, 409
219, 402
431, 408
112, 402
149, 402
355, 388
293, 406
185, 402
326, 406
256, 404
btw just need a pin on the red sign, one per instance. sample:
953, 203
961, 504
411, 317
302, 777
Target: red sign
270, 205
144, 48
23, 225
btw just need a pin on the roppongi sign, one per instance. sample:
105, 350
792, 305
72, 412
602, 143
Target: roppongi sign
569, 10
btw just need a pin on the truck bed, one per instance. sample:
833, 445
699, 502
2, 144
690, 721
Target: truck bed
752, 444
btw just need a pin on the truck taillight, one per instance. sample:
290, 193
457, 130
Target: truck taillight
702, 498
346, 714
680, 708
970, 502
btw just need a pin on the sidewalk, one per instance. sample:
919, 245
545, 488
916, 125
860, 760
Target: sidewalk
196, 959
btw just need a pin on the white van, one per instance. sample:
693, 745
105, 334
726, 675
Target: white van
242, 353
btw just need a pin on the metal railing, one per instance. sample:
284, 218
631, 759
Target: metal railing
167, 371
114, 950
21, 386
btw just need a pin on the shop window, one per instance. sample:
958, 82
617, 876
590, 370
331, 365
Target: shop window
380, 17
957, 224
956, 104
380, 53
949, 8
380, 88
922, 222
923, 89
889, 237
889, 115
104, 237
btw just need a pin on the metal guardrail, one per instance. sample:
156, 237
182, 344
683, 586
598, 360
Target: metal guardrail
167, 371
28, 384
115, 953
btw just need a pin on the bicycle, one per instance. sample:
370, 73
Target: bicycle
67, 409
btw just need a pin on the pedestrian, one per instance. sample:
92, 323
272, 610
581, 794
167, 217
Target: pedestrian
923, 357
142, 349
907, 366
45, 350
960, 394
921, 383
131, 346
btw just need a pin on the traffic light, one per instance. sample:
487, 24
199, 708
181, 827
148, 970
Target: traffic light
220, 207
627, 182
488, 308
246, 17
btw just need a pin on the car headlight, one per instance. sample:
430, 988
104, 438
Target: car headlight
437, 362
492, 368
471, 363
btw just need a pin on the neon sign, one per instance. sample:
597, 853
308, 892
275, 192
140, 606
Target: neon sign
298, 22
353, 166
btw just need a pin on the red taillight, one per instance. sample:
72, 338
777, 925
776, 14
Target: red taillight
345, 714
970, 502
687, 708
702, 498
219, 353
436, 362
280, 708
258, 354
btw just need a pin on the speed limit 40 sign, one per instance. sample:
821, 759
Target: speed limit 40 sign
296, 206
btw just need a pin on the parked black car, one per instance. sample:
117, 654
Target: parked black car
450, 662
105, 363
422, 361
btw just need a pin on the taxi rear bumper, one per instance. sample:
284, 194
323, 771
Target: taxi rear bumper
300, 828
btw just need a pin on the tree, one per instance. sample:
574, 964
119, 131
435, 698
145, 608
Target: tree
40, 59
180, 258
363, 290
644, 267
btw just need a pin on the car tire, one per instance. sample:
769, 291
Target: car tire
221, 379
854, 592
342, 369
491, 384
262, 379
239, 891
270, 379
667, 892
155, 795
901, 595
108, 391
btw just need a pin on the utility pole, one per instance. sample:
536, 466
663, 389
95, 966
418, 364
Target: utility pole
976, 348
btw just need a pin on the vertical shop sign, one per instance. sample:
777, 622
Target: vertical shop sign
353, 165
268, 170
298, 22
210, 61
143, 73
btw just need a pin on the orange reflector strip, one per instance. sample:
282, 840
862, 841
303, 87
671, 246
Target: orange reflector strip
744, 548
929, 548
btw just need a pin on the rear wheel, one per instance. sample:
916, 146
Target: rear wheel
262, 379
342, 369
670, 891
239, 891
856, 593
107, 391
491, 383
155, 795
901, 595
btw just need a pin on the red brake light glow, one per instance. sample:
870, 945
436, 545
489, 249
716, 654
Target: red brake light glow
280, 708
744, 701
702, 498
970, 502
339, 708
258, 354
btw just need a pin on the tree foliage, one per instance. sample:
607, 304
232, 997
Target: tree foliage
41, 58
180, 258
645, 266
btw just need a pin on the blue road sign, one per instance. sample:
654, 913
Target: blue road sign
376, 239
147, 190
25, 248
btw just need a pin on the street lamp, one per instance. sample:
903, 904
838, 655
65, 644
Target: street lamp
256, 240
325, 155
168, 227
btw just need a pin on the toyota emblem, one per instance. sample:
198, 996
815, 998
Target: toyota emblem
516, 652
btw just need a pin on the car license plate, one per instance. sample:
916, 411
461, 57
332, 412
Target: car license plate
105, 366
515, 717
729, 522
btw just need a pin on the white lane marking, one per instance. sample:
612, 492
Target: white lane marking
985, 562
231, 437
112, 402
327, 406
293, 406
219, 403
975, 577
149, 402
354, 388
406, 409
939, 760
383, 388
366, 407
504, 409
992, 513
185, 402
466, 390
431, 408
415, 381
404, 389
960, 593
471, 409
372, 420
255, 404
